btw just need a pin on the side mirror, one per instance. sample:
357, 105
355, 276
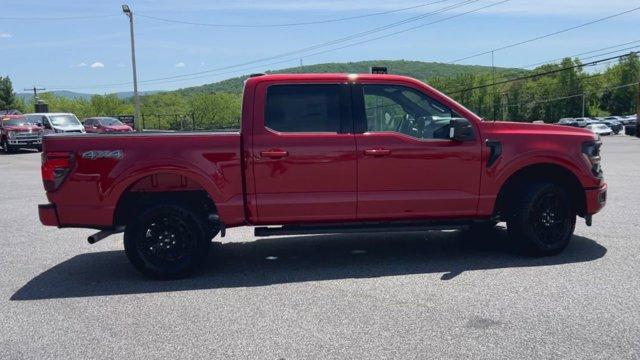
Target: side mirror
460, 130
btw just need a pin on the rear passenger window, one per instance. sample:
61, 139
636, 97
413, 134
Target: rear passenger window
303, 108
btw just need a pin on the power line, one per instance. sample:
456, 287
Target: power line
531, 76
288, 24
329, 43
365, 41
602, 90
580, 54
546, 35
57, 18
553, 61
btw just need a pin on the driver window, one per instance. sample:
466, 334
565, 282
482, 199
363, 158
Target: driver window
407, 111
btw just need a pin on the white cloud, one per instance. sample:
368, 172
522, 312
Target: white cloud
181, 65
80, 65
5, 35
97, 65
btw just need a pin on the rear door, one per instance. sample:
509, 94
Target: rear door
304, 153
407, 165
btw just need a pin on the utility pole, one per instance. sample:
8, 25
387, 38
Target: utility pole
584, 95
136, 99
505, 105
35, 91
493, 95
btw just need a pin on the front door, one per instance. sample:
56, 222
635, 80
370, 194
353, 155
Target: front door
407, 165
304, 153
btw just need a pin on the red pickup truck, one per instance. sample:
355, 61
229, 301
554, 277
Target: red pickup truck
324, 153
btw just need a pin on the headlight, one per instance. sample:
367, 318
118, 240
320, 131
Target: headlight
591, 149
11, 134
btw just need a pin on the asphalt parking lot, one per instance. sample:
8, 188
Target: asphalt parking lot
432, 295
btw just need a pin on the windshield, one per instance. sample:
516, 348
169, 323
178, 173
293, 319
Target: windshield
15, 122
110, 122
64, 120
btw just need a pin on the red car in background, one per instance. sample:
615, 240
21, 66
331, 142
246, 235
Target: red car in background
17, 132
105, 125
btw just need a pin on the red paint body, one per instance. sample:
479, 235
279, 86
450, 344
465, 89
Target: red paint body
259, 176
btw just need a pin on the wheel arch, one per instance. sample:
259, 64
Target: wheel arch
545, 171
159, 186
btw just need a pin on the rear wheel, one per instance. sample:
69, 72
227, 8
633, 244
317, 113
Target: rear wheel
542, 219
167, 241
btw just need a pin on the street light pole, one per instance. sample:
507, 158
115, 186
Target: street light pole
136, 99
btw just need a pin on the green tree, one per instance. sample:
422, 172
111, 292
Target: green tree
8, 99
622, 100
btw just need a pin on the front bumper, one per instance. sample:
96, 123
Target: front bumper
20, 142
596, 199
48, 215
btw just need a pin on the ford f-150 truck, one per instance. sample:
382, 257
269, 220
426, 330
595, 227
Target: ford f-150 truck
324, 153
17, 132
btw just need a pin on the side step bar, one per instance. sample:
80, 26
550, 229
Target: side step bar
370, 227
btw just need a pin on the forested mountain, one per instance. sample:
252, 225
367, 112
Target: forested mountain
416, 69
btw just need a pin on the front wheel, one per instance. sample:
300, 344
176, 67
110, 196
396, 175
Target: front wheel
542, 219
167, 241
8, 149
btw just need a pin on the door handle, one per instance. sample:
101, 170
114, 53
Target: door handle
377, 152
274, 154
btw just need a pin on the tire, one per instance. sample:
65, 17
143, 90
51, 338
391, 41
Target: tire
39, 148
8, 149
167, 241
542, 219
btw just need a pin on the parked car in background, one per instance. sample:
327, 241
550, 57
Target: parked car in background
105, 124
615, 125
568, 122
600, 129
56, 122
582, 121
17, 132
630, 129
630, 119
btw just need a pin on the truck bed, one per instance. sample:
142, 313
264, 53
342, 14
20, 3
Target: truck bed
106, 166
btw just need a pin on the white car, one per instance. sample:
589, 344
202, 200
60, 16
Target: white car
600, 129
56, 122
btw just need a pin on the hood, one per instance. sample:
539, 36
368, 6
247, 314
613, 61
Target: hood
69, 127
535, 128
117, 127
23, 128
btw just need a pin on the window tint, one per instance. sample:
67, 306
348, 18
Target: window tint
303, 108
407, 111
88, 122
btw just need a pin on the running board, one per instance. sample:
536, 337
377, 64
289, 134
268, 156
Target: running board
344, 228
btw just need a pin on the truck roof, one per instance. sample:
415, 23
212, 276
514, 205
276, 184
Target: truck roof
330, 77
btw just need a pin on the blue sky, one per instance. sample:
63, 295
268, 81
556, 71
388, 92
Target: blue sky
87, 54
